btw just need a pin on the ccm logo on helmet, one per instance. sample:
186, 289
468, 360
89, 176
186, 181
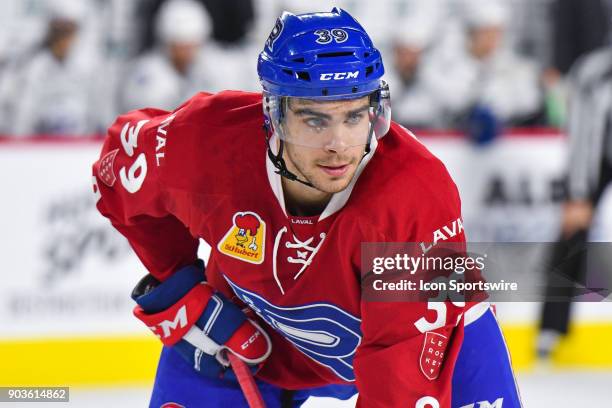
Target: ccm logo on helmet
338, 75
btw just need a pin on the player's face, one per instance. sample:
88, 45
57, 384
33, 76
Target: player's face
326, 140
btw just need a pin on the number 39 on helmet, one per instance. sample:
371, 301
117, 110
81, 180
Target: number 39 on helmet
322, 56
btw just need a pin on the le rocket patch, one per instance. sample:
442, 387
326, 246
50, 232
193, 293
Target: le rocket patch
432, 355
245, 240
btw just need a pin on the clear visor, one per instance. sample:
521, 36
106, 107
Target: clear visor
338, 124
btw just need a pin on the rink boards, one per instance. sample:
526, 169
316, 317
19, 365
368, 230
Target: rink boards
65, 310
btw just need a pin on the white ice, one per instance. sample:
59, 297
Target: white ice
558, 389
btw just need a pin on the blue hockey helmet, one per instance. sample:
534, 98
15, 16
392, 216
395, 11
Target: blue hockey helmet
322, 56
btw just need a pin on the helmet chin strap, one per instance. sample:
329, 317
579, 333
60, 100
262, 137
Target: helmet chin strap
278, 161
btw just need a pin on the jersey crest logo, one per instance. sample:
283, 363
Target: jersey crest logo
246, 238
322, 331
432, 355
105, 168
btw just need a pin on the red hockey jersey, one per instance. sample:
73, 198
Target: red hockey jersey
165, 179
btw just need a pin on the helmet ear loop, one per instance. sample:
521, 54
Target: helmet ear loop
270, 127
376, 106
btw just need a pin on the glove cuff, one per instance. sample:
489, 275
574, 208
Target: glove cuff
154, 297
250, 343
171, 324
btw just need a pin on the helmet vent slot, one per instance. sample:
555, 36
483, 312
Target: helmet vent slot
335, 54
299, 59
369, 70
304, 76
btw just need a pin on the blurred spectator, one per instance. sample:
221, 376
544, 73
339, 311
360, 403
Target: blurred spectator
414, 102
436, 81
481, 77
590, 173
51, 91
176, 68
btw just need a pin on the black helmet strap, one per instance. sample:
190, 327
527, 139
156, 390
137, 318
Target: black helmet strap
277, 159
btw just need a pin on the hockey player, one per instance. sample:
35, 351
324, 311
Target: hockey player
285, 208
